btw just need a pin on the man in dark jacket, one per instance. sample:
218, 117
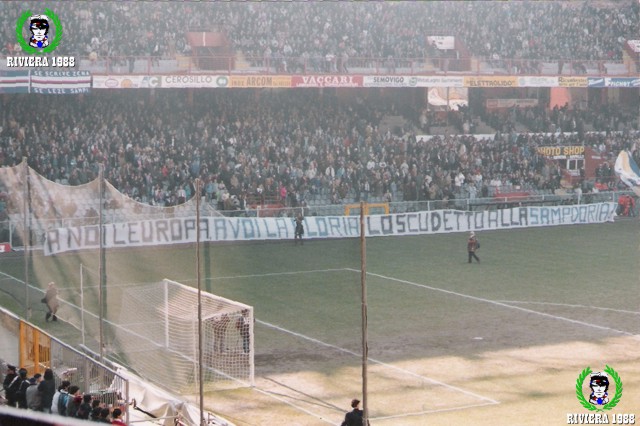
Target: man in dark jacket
299, 231
21, 392
354, 417
8, 378
85, 408
47, 389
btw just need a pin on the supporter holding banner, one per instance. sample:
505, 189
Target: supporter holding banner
60, 82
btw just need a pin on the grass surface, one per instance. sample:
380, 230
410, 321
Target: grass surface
565, 292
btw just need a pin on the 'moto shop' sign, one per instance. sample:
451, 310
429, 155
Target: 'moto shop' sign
561, 152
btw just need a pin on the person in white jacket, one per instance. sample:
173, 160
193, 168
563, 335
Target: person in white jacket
56, 396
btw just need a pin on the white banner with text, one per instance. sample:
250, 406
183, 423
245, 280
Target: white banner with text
218, 229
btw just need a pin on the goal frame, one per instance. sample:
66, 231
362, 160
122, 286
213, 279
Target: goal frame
174, 306
242, 306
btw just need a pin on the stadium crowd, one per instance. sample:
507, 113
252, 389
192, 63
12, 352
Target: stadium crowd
603, 118
581, 30
293, 145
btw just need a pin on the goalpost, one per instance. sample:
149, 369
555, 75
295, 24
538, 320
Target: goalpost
157, 336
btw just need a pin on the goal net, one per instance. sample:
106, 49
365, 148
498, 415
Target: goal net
157, 336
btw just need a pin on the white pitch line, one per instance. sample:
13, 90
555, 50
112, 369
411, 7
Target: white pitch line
375, 361
270, 274
524, 302
270, 394
421, 413
494, 302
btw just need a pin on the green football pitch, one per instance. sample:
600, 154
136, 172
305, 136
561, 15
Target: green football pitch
499, 342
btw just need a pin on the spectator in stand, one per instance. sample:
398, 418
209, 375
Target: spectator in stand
274, 34
13, 387
84, 410
73, 401
47, 389
96, 408
105, 413
9, 377
21, 391
33, 395
116, 417
318, 155
59, 400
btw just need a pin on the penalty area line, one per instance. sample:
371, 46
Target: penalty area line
269, 274
297, 407
505, 305
422, 413
568, 305
375, 361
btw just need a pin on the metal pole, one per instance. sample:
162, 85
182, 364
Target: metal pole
199, 278
126, 405
27, 237
363, 284
166, 313
101, 263
82, 304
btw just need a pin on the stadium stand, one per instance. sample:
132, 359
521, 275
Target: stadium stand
353, 34
247, 150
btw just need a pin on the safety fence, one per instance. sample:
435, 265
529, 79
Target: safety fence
321, 206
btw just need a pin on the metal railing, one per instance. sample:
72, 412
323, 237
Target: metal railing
321, 208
